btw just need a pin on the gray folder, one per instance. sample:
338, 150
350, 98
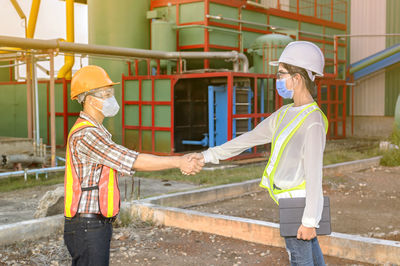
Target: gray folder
291, 212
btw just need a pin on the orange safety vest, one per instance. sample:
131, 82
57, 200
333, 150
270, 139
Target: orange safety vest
109, 196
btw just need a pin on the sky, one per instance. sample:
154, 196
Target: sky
51, 24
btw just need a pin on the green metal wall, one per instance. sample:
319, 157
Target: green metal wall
392, 88
323, 9
14, 106
118, 23
250, 37
162, 114
392, 74
219, 37
13, 110
392, 21
194, 34
4, 72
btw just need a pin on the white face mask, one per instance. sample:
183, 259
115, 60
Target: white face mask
110, 106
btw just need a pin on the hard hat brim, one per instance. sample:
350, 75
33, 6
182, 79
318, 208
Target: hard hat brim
107, 85
110, 84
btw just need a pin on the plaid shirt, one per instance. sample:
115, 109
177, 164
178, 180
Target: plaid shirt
91, 148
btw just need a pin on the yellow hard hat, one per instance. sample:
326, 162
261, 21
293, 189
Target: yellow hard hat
89, 78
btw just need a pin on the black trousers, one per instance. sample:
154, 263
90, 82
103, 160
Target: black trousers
88, 240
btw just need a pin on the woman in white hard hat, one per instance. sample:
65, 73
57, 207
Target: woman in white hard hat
298, 134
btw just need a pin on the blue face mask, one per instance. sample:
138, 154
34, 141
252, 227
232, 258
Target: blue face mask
282, 90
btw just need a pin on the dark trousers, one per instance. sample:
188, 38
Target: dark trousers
88, 240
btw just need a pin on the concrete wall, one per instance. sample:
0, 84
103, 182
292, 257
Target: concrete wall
369, 93
371, 126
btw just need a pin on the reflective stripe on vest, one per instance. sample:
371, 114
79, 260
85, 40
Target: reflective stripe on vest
278, 146
109, 196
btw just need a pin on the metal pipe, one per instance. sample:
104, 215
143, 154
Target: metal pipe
21, 14
12, 65
33, 18
9, 160
375, 59
257, 4
36, 100
30, 32
29, 97
272, 27
18, 9
207, 27
119, 51
359, 67
47, 72
203, 142
52, 112
69, 59
33, 171
368, 35
16, 55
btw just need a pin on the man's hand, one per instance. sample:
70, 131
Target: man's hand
191, 163
306, 233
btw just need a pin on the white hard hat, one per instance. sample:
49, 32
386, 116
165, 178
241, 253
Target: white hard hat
305, 55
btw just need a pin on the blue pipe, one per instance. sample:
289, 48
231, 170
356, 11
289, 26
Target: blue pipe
203, 142
262, 97
211, 129
234, 112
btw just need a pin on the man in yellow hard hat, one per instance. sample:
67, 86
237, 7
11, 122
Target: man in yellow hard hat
93, 162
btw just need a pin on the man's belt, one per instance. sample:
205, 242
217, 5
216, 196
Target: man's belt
94, 216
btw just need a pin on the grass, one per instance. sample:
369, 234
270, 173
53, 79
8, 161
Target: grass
339, 156
212, 178
335, 152
126, 219
15, 183
392, 156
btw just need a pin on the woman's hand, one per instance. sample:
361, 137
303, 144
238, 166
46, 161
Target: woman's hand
306, 233
191, 163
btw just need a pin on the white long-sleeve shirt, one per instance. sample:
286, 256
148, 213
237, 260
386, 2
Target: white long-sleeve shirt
301, 160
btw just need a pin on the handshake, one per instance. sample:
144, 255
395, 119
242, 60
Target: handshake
191, 164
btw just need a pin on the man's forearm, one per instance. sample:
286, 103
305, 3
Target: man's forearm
149, 162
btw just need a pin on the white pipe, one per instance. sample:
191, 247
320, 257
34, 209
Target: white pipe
12, 65
118, 51
52, 112
367, 35
272, 27
36, 100
33, 171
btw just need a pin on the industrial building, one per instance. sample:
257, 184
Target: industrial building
195, 73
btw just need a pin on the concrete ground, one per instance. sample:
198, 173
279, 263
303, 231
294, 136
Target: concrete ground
143, 243
20, 205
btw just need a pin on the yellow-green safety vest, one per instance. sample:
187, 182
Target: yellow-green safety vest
278, 146
109, 195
